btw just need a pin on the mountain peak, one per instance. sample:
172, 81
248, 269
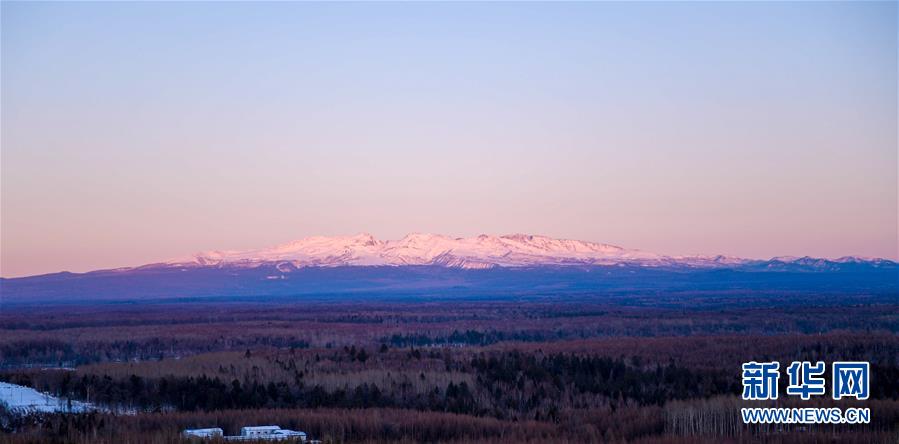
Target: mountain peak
482, 251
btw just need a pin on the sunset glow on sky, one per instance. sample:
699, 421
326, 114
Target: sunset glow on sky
139, 132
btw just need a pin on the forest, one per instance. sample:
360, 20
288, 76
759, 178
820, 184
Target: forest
492, 370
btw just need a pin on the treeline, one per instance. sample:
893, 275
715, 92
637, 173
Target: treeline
80, 335
469, 337
560, 397
507, 385
510, 384
59, 353
612, 379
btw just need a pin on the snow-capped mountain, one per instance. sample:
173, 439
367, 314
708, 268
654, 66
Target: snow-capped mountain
431, 265
484, 251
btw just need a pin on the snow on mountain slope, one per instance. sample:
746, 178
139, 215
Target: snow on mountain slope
484, 251
362, 249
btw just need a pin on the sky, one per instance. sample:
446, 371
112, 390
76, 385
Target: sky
137, 132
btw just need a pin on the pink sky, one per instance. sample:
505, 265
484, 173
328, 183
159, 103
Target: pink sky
137, 132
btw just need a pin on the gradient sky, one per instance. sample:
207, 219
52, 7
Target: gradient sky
137, 132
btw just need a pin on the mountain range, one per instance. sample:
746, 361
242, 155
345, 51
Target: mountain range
430, 265
481, 252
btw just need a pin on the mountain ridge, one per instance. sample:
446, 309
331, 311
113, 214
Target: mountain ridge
513, 251
478, 252
422, 266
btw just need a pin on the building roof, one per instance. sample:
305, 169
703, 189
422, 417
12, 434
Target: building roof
259, 429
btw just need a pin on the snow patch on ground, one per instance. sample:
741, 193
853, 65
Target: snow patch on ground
20, 399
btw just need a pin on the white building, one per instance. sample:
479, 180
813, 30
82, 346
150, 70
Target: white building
214, 432
250, 433
254, 431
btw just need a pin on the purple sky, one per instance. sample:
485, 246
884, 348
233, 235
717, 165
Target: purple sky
137, 132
